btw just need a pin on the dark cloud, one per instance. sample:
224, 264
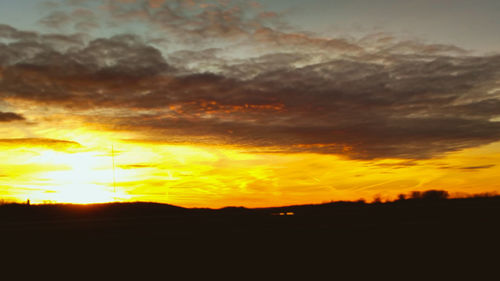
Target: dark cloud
58, 145
9, 32
10, 116
397, 165
80, 76
478, 167
411, 104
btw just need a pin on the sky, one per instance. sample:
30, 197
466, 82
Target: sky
213, 103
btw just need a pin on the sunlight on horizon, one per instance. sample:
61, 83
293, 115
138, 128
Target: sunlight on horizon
219, 176
82, 177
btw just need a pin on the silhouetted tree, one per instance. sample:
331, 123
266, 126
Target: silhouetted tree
377, 199
430, 195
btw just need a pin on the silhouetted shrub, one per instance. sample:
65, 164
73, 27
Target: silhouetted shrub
377, 199
484, 195
430, 195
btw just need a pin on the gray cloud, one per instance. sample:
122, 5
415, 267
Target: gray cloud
193, 20
79, 19
9, 32
57, 19
384, 104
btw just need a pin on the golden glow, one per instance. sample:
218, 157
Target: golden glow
217, 176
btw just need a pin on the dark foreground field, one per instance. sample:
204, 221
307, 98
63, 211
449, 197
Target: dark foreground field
409, 220
430, 229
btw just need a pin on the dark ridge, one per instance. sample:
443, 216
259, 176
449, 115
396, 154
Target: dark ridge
16, 211
417, 206
419, 227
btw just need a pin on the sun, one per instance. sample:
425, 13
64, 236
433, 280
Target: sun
82, 177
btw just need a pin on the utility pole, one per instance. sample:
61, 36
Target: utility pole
114, 173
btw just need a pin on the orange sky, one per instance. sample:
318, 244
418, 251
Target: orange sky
210, 103
218, 175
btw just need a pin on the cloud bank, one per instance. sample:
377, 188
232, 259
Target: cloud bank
376, 97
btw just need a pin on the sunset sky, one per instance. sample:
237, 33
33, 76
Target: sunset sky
212, 103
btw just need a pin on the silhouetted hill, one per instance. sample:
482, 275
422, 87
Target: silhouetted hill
152, 219
426, 226
67, 211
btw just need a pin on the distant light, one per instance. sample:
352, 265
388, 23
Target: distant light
284, 214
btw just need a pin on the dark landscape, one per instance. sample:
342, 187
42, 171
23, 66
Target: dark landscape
171, 109
427, 217
421, 234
